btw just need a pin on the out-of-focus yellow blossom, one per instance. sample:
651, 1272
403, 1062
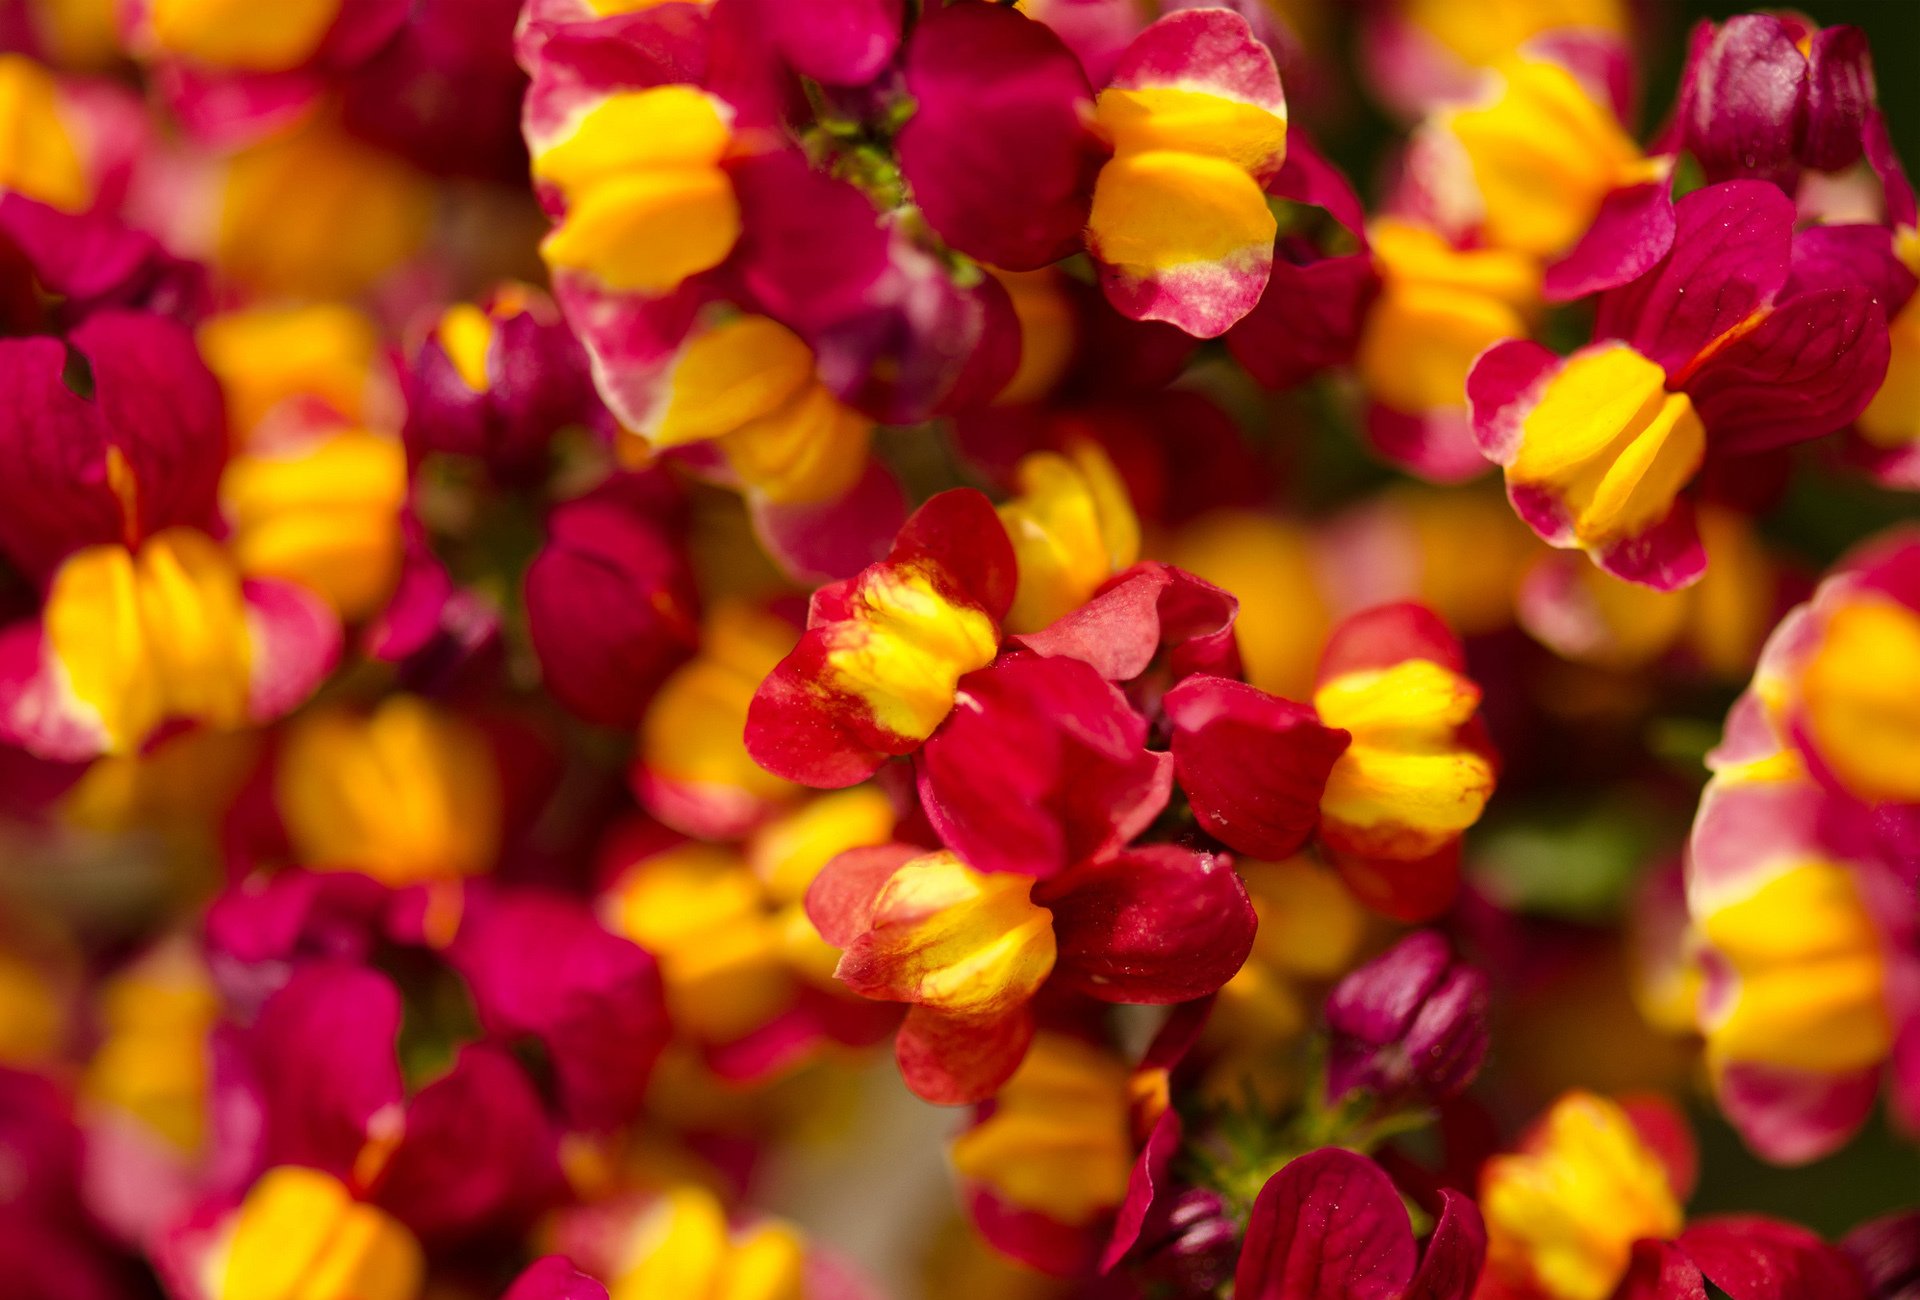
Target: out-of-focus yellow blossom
287, 199
152, 1062
264, 356
299, 1235
38, 154
322, 509
1564, 1211
407, 794
1439, 308
1057, 1142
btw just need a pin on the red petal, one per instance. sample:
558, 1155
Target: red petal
1754, 1258
958, 1060
840, 899
1253, 765
1156, 925
1329, 1226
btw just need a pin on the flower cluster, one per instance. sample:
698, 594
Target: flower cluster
832, 649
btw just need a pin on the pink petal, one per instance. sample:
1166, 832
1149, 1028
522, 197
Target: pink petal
1664, 1129
1660, 1270
478, 1150
1502, 386
325, 1055
1791, 1117
1158, 924
1389, 634
1455, 1253
1747, 106
1633, 230
1211, 50
1041, 1243
1666, 557
38, 710
538, 964
1001, 108
296, 643
828, 540
1438, 446
840, 899
838, 42
1151, 1172
1149, 607
554, 1278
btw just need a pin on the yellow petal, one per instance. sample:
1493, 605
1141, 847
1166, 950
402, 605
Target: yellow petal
1544, 154
1567, 1209
37, 154
407, 795
906, 648
1165, 118
1611, 442
1808, 976
1072, 527
242, 35
1057, 1142
663, 128
949, 937
1153, 212
1862, 707
646, 232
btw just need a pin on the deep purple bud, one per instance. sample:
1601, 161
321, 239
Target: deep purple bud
1190, 1246
1764, 96
1411, 1025
1840, 95
495, 382
1887, 1253
611, 609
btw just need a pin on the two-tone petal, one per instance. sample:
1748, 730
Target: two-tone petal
1198, 124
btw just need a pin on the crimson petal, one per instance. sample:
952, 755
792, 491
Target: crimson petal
1158, 924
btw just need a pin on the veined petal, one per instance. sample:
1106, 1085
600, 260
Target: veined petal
1329, 1226
1157, 924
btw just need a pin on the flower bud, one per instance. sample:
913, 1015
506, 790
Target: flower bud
497, 381
1411, 1025
1191, 1246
